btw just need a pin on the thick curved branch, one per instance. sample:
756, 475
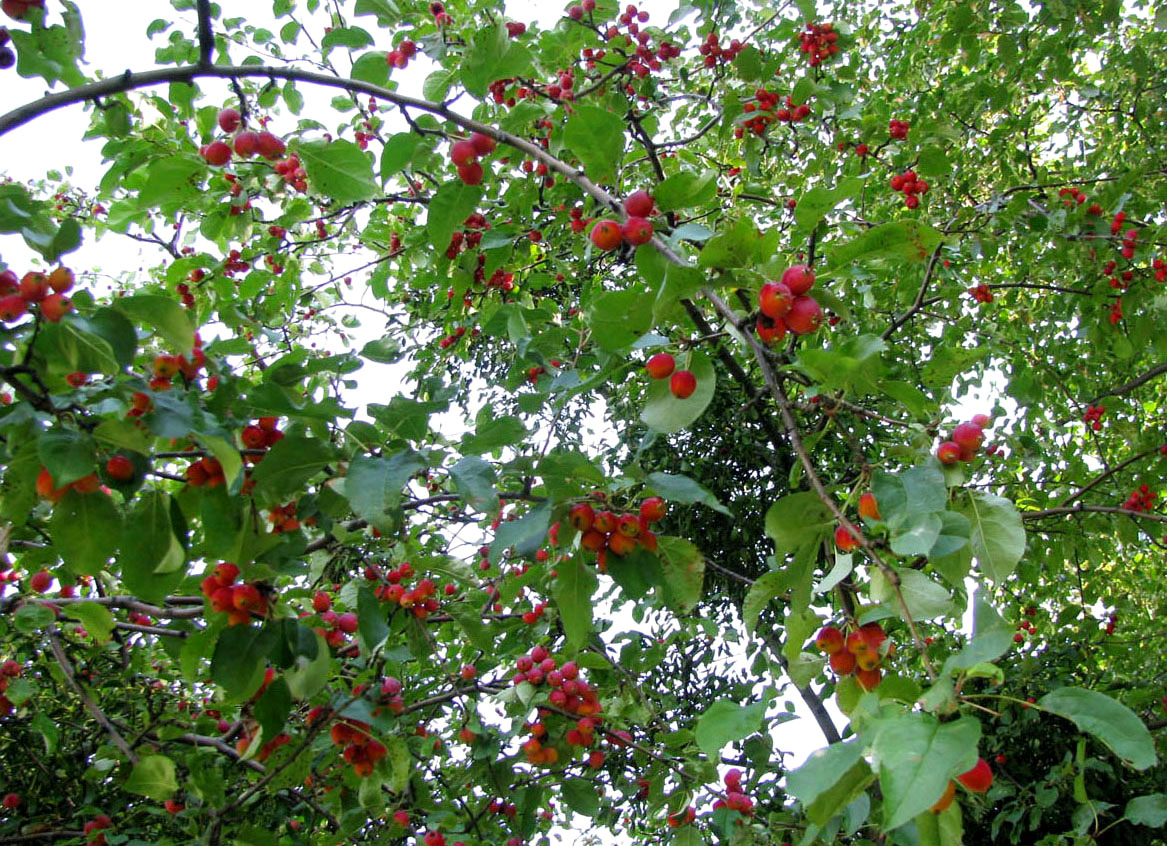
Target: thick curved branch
812, 700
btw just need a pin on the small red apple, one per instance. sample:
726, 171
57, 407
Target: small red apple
637, 231
979, 778
229, 119
775, 300
661, 366
799, 279
805, 316
606, 234
639, 204
683, 383
217, 153
948, 452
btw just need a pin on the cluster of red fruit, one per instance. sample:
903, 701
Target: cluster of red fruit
682, 383
238, 601
47, 291
965, 442
262, 434
1093, 416
7, 57
786, 307
1129, 239
167, 366
818, 42
977, 780
604, 531
859, 652
765, 110
898, 129
1074, 197
637, 229
95, 830
465, 153
8, 670
361, 751
714, 52
981, 293
421, 599
735, 799
292, 173
246, 143
400, 55
1141, 499
1024, 626
468, 237
647, 58
47, 489
910, 186
561, 89
569, 693
283, 518
205, 471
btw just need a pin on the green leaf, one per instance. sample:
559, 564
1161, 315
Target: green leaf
1111, 722
475, 480
526, 534
733, 247
725, 721
915, 491
664, 413
96, 619
998, 535
766, 587
86, 529
68, 454
288, 466
916, 535
682, 489
903, 239
814, 205
166, 316
122, 434
273, 707
492, 55
340, 170
370, 620
1149, 810
618, 318
596, 136
352, 37
580, 796
573, 589
237, 664
399, 152
469, 619
943, 829
385, 10
991, 638
683, 573
917, 756
153, 776
309, 674
374, 487
829, 780
449, 207
685, 190
925, 598
151, 557
493, 433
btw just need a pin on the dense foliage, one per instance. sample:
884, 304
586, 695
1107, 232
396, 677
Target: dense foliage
520, 455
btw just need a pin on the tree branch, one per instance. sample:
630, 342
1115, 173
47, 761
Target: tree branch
90, 705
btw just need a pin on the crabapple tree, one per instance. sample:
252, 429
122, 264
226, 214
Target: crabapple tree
524, 453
